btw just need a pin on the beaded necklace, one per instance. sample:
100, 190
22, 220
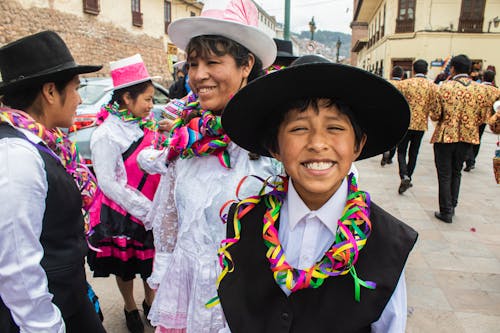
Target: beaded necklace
354, 228
60, 146
201, 136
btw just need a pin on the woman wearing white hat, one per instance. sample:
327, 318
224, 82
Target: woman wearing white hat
225, 51
121, 245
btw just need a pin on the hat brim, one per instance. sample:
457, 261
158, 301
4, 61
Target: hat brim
47, 76
256, 41
378, 107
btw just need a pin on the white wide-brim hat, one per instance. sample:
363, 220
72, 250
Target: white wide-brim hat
233, 19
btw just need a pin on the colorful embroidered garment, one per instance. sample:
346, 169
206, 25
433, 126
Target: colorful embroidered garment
62, 148
421, 95
201, 136
354, 228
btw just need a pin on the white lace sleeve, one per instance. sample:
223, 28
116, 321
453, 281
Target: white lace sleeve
164, 222
163, 215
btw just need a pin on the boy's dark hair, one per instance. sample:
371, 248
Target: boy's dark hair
461, 63
270, 134
420, 66
203, 46
397, 71
489, 76
134, 91
23, 98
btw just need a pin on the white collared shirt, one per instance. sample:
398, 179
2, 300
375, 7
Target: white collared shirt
23, 282
306, 235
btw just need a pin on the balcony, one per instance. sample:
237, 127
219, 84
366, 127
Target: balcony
403, 26
470, 25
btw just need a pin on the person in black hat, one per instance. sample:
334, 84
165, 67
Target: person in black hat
43, 191
284, 56
295, 256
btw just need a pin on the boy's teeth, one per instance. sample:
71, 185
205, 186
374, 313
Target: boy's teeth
318, 165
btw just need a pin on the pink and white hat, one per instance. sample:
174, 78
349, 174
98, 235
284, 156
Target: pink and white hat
233, 19
128, 71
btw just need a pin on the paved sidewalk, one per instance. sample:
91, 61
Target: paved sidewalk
453, 274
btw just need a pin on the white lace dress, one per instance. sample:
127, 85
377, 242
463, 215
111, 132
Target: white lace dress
187, 204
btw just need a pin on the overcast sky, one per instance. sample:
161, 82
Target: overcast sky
333, 15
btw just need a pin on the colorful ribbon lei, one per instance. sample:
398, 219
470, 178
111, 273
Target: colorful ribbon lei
354, 228
200, 136
125, 115
61, 146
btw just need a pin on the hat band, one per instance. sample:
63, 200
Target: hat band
129, 75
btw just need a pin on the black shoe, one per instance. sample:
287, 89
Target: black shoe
383, 161
146, 309
134, 322
469, 168
388, 161
405, 184
443, 217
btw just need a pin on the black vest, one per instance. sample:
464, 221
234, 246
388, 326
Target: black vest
253, 302
62, 237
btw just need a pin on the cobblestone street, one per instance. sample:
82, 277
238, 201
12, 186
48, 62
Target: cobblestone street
453, 274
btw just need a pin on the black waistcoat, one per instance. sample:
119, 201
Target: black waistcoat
253, 302
62, 236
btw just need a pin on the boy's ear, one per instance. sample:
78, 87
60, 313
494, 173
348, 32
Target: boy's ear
359, 149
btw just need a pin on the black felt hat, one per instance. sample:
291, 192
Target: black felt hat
378, 107
37, 58
285, 50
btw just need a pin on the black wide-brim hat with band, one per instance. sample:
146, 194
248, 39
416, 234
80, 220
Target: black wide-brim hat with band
285, 50
35, 59
378, 107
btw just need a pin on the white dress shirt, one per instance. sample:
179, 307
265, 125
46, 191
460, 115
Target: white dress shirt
23, 282
307, 234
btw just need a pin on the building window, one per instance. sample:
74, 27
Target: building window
406, 16
167, 14
136, 13
91, 7
471, 16
192, 14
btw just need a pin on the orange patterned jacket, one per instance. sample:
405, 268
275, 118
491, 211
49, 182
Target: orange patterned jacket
461, 109
421, 95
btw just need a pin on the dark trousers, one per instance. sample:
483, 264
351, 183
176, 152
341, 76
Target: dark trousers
412, 139
449, 159
388, 155
471, 159
85, 320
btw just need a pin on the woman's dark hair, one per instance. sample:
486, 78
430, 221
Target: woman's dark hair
461, 63
23, 98
270, 135
134, 91
203, 46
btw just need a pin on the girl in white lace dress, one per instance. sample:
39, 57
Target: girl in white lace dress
204, 167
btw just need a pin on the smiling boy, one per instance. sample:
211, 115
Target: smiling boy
295, 256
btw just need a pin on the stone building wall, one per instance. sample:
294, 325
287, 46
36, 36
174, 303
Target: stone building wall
89, 40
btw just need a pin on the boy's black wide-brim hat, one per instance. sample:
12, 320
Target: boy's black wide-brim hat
378, 107
37, 58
